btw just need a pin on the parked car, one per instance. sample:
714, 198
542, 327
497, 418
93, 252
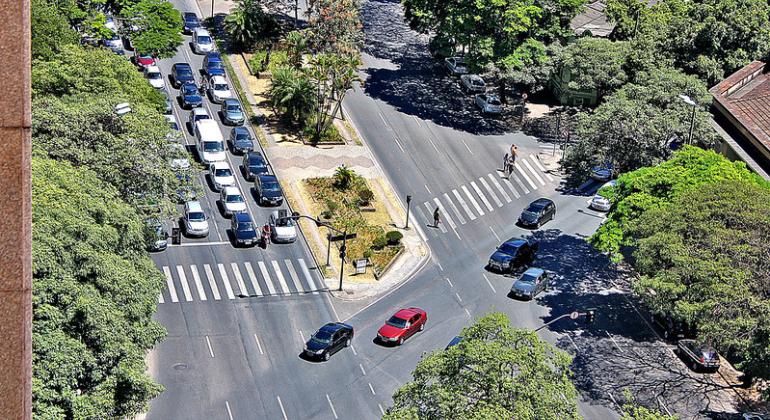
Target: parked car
489, 104
254, 165
599, 202
167, 106
114, 43
244, 231
144, 60
186, 189
328, 340
673, 329
753, 416
191, 23
232, 113
153, 75
202, 41
195, 220
402, 325
232, 201
530, 283
213, 65
221, 175
173, 124
178, 157
538, 213
603, 172
240, 140
218, 89
282, 228
156, 235
697, 355
455, 341
198, 114
181, 73
512, 254
189, 96
456, 66
441, 48
473, 83
268, 190
109, 23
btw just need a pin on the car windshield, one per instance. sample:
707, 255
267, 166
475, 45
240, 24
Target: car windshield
196, 216
509, 249
154, 75
535, 208
245, 227
528, 278
271, 186
204, 40
213, 146
215, 65
183, 71
235, 198
284, 221
322, 337
493, 101
233, 107
199, 117
397, 322
174, 126
477, 82
223, 172
220, 86
190, 89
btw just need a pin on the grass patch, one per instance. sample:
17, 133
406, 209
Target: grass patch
236, 83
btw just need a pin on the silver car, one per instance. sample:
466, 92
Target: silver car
489, 104
456, 66
473, 83
282, 228
601, 203
531, 282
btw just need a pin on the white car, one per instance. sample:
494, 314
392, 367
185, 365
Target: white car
600, 203
456, 66
219, 90
202, 41
232, 201
198, 114
109, 23
473, 83
196, 223
489, 104
221, 175
178, 157
152, 73
282, 228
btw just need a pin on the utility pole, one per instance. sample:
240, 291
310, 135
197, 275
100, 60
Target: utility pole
342, 255
408, 201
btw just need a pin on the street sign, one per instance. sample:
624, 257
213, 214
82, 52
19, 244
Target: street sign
335, 238
574, 315
361, 266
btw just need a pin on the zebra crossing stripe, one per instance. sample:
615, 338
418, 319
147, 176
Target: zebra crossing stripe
308, 277
537, 163
212, 281
526, 177
510, 187
482, 196
160, 298
464, 205
293, 276
430, 211
253, 278
185, 286
492, 193
281, 280
444, 213
456, 210
521, 184
266, 276
197, 281
170, 284
534, 172
239, 280
473, 200
493, 180
427, 221
226, 281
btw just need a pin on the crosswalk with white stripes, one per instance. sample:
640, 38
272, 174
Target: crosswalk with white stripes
485, 194
203, 282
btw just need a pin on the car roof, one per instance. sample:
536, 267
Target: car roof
256, 155
202, 32
242, 217
515, 242
200, 111
334, 326
534, 271
230, 101
218, 79
152, 68
241, 130
190, 14
182, 65
268, 178
194, 206
213, 54
220, 165
407, 313
231, 190
542, 202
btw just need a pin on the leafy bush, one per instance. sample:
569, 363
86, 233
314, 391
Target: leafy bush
367, 254
365, 197
394, 237
278, 58
343, 176
379, 242
326, 214
330, 135
292, 94
332, 205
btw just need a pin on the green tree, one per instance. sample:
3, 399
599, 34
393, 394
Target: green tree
159, 27
332, 76
50, 30
343, 177
334, 26
296, 46
94, 293
635, 412
292, 93
247, 24
495, 372
595, 63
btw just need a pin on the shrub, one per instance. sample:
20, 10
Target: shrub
393, 237
343, 176
367, 254
379, 242
332, 205
330, 135
365, 196
278, 58
326, 214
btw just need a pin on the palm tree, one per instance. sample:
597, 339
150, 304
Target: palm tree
343, 176
291, 93
296, 43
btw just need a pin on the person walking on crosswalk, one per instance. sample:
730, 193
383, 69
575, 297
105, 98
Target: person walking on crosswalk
436, 217
505, 164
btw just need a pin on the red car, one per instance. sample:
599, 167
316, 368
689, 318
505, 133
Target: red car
402, 325
144, 60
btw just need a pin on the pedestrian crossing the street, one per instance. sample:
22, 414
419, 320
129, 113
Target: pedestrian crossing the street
485, 194
188, 283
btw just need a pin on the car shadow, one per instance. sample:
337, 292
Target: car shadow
314, 360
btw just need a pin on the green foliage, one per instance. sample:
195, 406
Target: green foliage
247, 24
95, 291
50, 30
495, 372
159, 26
595, 63
634, 412
394, 237
278, 58
343, 177
379, 242
292, 94
296, 47
365, 196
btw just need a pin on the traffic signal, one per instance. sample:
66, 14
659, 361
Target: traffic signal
342, 251
590, 316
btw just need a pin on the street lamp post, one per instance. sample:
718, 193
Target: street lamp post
212, 11
686, 99
590, 315
296, 216
408, 201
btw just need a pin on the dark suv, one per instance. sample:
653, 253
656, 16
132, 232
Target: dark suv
253, 165
699, 356
537, 213
268, 190
240, 140
512, 255
213, 65
181, 73
191, 22
328, 340
673, 329
244, 232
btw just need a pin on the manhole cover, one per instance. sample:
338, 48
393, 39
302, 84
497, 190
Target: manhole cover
180, 366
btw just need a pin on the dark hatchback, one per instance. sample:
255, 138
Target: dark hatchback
268, 190
213, 65
244, 232
537, 213
699, 356
189, 96
511, 255
191, 22
181, 73
328, 340
240, 140
254, 165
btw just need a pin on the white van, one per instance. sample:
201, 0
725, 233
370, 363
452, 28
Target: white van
202, 41
210, 143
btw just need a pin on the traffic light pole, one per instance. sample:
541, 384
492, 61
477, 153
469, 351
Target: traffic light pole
342, 255
295, 216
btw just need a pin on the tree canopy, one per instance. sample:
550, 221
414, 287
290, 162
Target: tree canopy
595, 63
158, 25
50, 30
495, 372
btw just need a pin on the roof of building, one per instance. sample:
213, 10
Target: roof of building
746, 95
592, 19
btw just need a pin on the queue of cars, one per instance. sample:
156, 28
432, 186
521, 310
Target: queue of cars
488, 103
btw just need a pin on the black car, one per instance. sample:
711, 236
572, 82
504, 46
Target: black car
191, 22
181, 73
673, 329
328, 340
253, 165
699, 356
213, 65
268, 190
537, 213
512, 254
240, 140
244, 232
189, 96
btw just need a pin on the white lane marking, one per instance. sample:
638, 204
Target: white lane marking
510, 187
239, 280
211, 350
521, 184
473, 201
226, 281
430, 211
573, 343
212, 281
279, 274
489, 283
253, 278
170, 284
455, 209
491, 192
259, 346
183, 280
458, 297
499, 187
382, 117
433, 144
352, 347
537, 163
308, 277
197, 281
398, 143
534, 172
495, 233
293, 275
362, 369
204, 243
381, 409
450, 282
334, 412
439, 266
613, 340
302, 336
280, 404
444, 213
426, 187
160, 298
467, 312
526, 177
464, 205
229, 413
371, 388
482, 196
266, 276
466, 146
